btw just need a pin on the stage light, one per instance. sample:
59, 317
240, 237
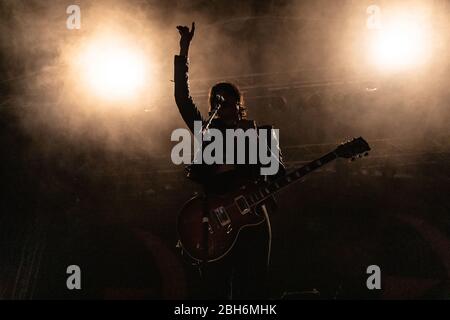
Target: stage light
112, 69
400, 44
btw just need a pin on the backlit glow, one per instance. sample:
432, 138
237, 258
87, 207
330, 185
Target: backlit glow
112, 69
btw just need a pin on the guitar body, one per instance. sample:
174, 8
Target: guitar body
208, 227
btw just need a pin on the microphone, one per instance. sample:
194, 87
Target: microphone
219, 99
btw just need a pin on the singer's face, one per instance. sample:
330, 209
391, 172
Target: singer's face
230, 108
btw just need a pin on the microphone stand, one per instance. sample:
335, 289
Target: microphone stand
218, 105
205, 218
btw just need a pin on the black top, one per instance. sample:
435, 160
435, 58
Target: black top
216, 177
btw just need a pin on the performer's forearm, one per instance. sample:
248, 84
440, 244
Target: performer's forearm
183, 99
184, 51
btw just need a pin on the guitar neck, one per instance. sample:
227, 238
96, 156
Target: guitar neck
273, 187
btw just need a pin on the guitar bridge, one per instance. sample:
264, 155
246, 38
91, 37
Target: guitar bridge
242, 204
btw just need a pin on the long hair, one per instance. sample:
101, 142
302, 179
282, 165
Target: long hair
233, 91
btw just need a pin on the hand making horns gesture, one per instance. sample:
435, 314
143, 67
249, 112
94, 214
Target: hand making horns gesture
186, 37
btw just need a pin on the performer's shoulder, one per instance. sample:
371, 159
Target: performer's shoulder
266, 126
248, 123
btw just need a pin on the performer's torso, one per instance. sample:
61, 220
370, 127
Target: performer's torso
225, 177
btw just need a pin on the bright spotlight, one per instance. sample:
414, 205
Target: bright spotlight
399, 45
112, 69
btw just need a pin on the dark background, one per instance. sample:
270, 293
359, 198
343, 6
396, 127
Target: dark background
73, 194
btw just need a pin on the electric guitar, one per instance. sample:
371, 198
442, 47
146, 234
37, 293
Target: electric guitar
209, 227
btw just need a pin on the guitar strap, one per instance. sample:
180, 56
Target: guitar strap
269, 231
205, 220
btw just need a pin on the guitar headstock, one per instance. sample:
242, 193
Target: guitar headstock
353, 148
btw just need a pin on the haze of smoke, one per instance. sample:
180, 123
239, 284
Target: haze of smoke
316, 38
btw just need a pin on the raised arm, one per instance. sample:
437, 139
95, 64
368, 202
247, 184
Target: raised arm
183, 99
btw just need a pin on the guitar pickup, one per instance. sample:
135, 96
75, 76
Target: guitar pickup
242, 204
222, 216
206, 220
